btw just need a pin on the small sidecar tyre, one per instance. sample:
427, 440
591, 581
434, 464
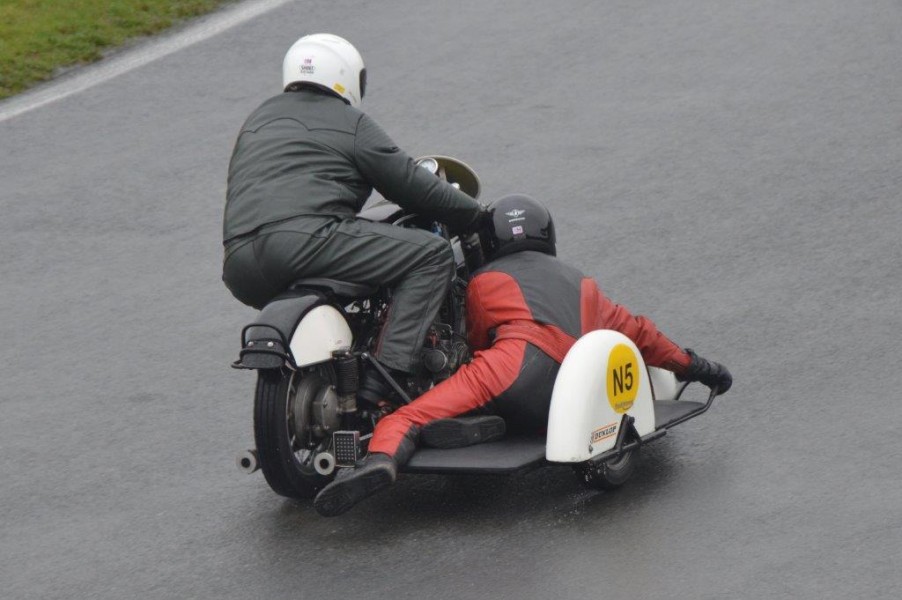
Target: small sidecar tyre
610, 475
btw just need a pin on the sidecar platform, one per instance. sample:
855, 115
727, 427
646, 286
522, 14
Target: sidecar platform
508, 455
673, 412
513, 454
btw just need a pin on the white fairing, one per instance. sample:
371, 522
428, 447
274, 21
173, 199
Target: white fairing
602, 377
321, 331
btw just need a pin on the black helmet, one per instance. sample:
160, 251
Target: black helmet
517, 223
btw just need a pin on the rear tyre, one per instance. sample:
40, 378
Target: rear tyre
284, 444
610, 475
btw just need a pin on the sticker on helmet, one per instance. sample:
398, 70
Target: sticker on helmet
516, 215
338, 88
307, 67
623, 378
517, 230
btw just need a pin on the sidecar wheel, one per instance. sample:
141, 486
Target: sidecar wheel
284, 452
610, 475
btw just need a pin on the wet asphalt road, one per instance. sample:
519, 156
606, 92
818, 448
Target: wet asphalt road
731, 169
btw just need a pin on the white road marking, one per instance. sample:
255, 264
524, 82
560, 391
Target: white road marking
129, 60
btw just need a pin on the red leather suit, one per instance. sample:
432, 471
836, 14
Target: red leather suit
524, 312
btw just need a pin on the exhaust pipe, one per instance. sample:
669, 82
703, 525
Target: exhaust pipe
324, 463
247, 461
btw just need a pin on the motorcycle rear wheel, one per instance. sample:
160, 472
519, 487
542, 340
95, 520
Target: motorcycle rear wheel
610, 475
284, 453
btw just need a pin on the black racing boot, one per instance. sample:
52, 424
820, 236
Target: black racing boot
375, 472
462, 431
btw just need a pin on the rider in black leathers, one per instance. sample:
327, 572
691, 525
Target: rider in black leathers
303, 165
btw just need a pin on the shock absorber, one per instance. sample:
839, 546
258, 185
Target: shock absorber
346, 443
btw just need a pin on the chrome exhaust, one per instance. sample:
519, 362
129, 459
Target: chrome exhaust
324, 463
247, 461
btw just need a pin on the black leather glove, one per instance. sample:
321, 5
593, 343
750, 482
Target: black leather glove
709, 373
482, 219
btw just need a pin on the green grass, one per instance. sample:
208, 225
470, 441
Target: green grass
40, 37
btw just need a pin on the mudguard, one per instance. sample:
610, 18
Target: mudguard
322, 331
297, 329
602, 378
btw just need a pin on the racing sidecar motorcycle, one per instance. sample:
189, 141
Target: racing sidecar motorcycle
605, 406
310, 345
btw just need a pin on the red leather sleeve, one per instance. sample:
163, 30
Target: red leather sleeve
598, 312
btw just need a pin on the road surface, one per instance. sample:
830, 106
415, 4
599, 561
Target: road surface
731, 169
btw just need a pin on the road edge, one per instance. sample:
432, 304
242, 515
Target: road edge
86, 77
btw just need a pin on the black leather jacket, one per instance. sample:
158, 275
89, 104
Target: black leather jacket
309, 153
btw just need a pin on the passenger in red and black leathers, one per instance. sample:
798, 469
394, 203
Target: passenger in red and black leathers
524, 312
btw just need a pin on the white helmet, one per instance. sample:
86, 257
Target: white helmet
328, 61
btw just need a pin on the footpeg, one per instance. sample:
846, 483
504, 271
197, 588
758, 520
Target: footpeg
346, 446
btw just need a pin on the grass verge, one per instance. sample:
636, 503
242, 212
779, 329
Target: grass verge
38, 38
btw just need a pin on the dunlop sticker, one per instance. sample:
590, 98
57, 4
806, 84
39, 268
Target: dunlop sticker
623, 378
603, 432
